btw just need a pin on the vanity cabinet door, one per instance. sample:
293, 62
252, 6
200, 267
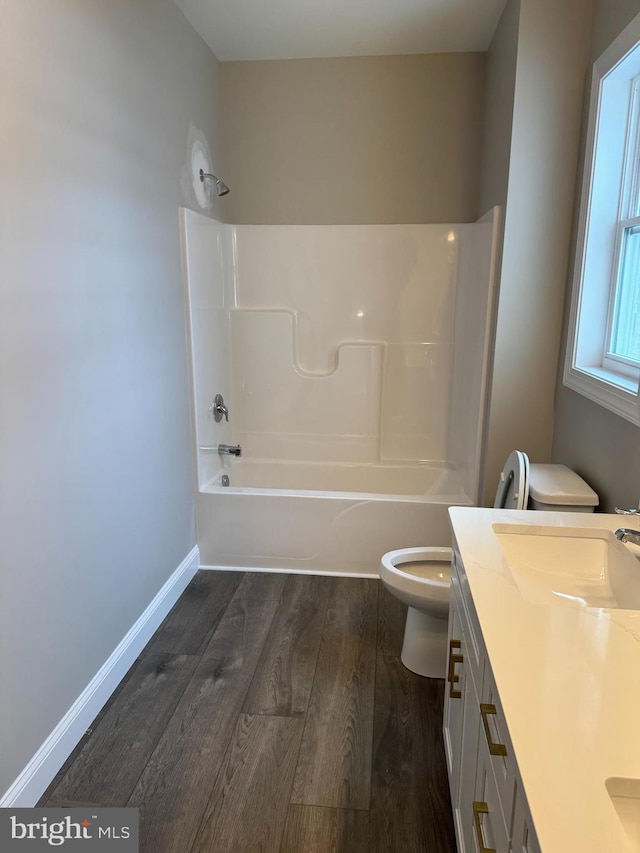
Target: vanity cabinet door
523, 837
490, 832
461, 731
453, 701
495, 735
463, 807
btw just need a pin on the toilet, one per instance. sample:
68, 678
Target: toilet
420, 577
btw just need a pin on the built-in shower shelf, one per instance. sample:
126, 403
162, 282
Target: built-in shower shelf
302, 365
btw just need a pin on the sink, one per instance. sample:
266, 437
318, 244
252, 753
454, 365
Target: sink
625, 797
587, 567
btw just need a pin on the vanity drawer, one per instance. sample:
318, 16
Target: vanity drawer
470, 627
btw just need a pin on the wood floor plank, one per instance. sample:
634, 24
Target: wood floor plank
410, 806
257, 773
265, 585
191, 623
176, 784
44, 799
115, 754
83, 740
283, 679
316, 829
392, 616
334, 768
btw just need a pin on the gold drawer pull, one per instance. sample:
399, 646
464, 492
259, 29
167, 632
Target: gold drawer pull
494, 748
480, 809
453, 678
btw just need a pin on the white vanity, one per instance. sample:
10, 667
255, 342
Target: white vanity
542, 702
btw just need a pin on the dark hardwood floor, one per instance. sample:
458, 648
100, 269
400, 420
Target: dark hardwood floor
272, 713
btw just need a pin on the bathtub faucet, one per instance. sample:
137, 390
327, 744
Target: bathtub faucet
229, 450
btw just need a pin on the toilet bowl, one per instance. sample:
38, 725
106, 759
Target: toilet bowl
420, 578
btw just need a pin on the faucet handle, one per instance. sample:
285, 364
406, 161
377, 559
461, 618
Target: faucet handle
632, 511
218, 409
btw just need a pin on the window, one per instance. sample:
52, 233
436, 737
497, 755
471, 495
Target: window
623, 343
603, 352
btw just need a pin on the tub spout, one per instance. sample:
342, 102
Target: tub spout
229, 450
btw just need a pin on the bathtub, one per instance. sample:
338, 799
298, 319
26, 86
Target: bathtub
323, 518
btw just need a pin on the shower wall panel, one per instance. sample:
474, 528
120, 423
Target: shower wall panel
417, 380
341, 344
392, 283
283, 411
365, 325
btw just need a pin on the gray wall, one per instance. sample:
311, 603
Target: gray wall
603, 447
498, 111
551, 62
97, 501
384, 139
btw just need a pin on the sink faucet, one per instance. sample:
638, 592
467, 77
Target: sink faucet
627, 534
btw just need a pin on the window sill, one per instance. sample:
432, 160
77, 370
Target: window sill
615, 392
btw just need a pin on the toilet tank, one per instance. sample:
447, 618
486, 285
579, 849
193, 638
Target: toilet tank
559, 489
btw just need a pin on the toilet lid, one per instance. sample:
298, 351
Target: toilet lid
513, 487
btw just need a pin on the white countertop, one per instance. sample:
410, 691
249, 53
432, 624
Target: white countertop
568, 678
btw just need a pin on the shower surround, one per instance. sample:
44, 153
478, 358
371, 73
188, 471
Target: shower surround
353, 361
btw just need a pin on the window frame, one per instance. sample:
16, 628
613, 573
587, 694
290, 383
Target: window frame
607, 379
610, 360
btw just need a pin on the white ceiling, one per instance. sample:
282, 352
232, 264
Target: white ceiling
301, 29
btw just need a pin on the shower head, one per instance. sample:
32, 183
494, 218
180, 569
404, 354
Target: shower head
221, 187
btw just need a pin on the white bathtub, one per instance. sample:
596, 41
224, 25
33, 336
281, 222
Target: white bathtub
323, 518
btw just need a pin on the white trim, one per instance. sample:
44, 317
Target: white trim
631, 182
581, 243
288, 571
32, 782
608, 394
608, 390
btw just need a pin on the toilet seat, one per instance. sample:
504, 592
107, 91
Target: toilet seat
513, 486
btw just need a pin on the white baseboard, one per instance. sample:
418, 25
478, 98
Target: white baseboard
27, 789
288, 571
